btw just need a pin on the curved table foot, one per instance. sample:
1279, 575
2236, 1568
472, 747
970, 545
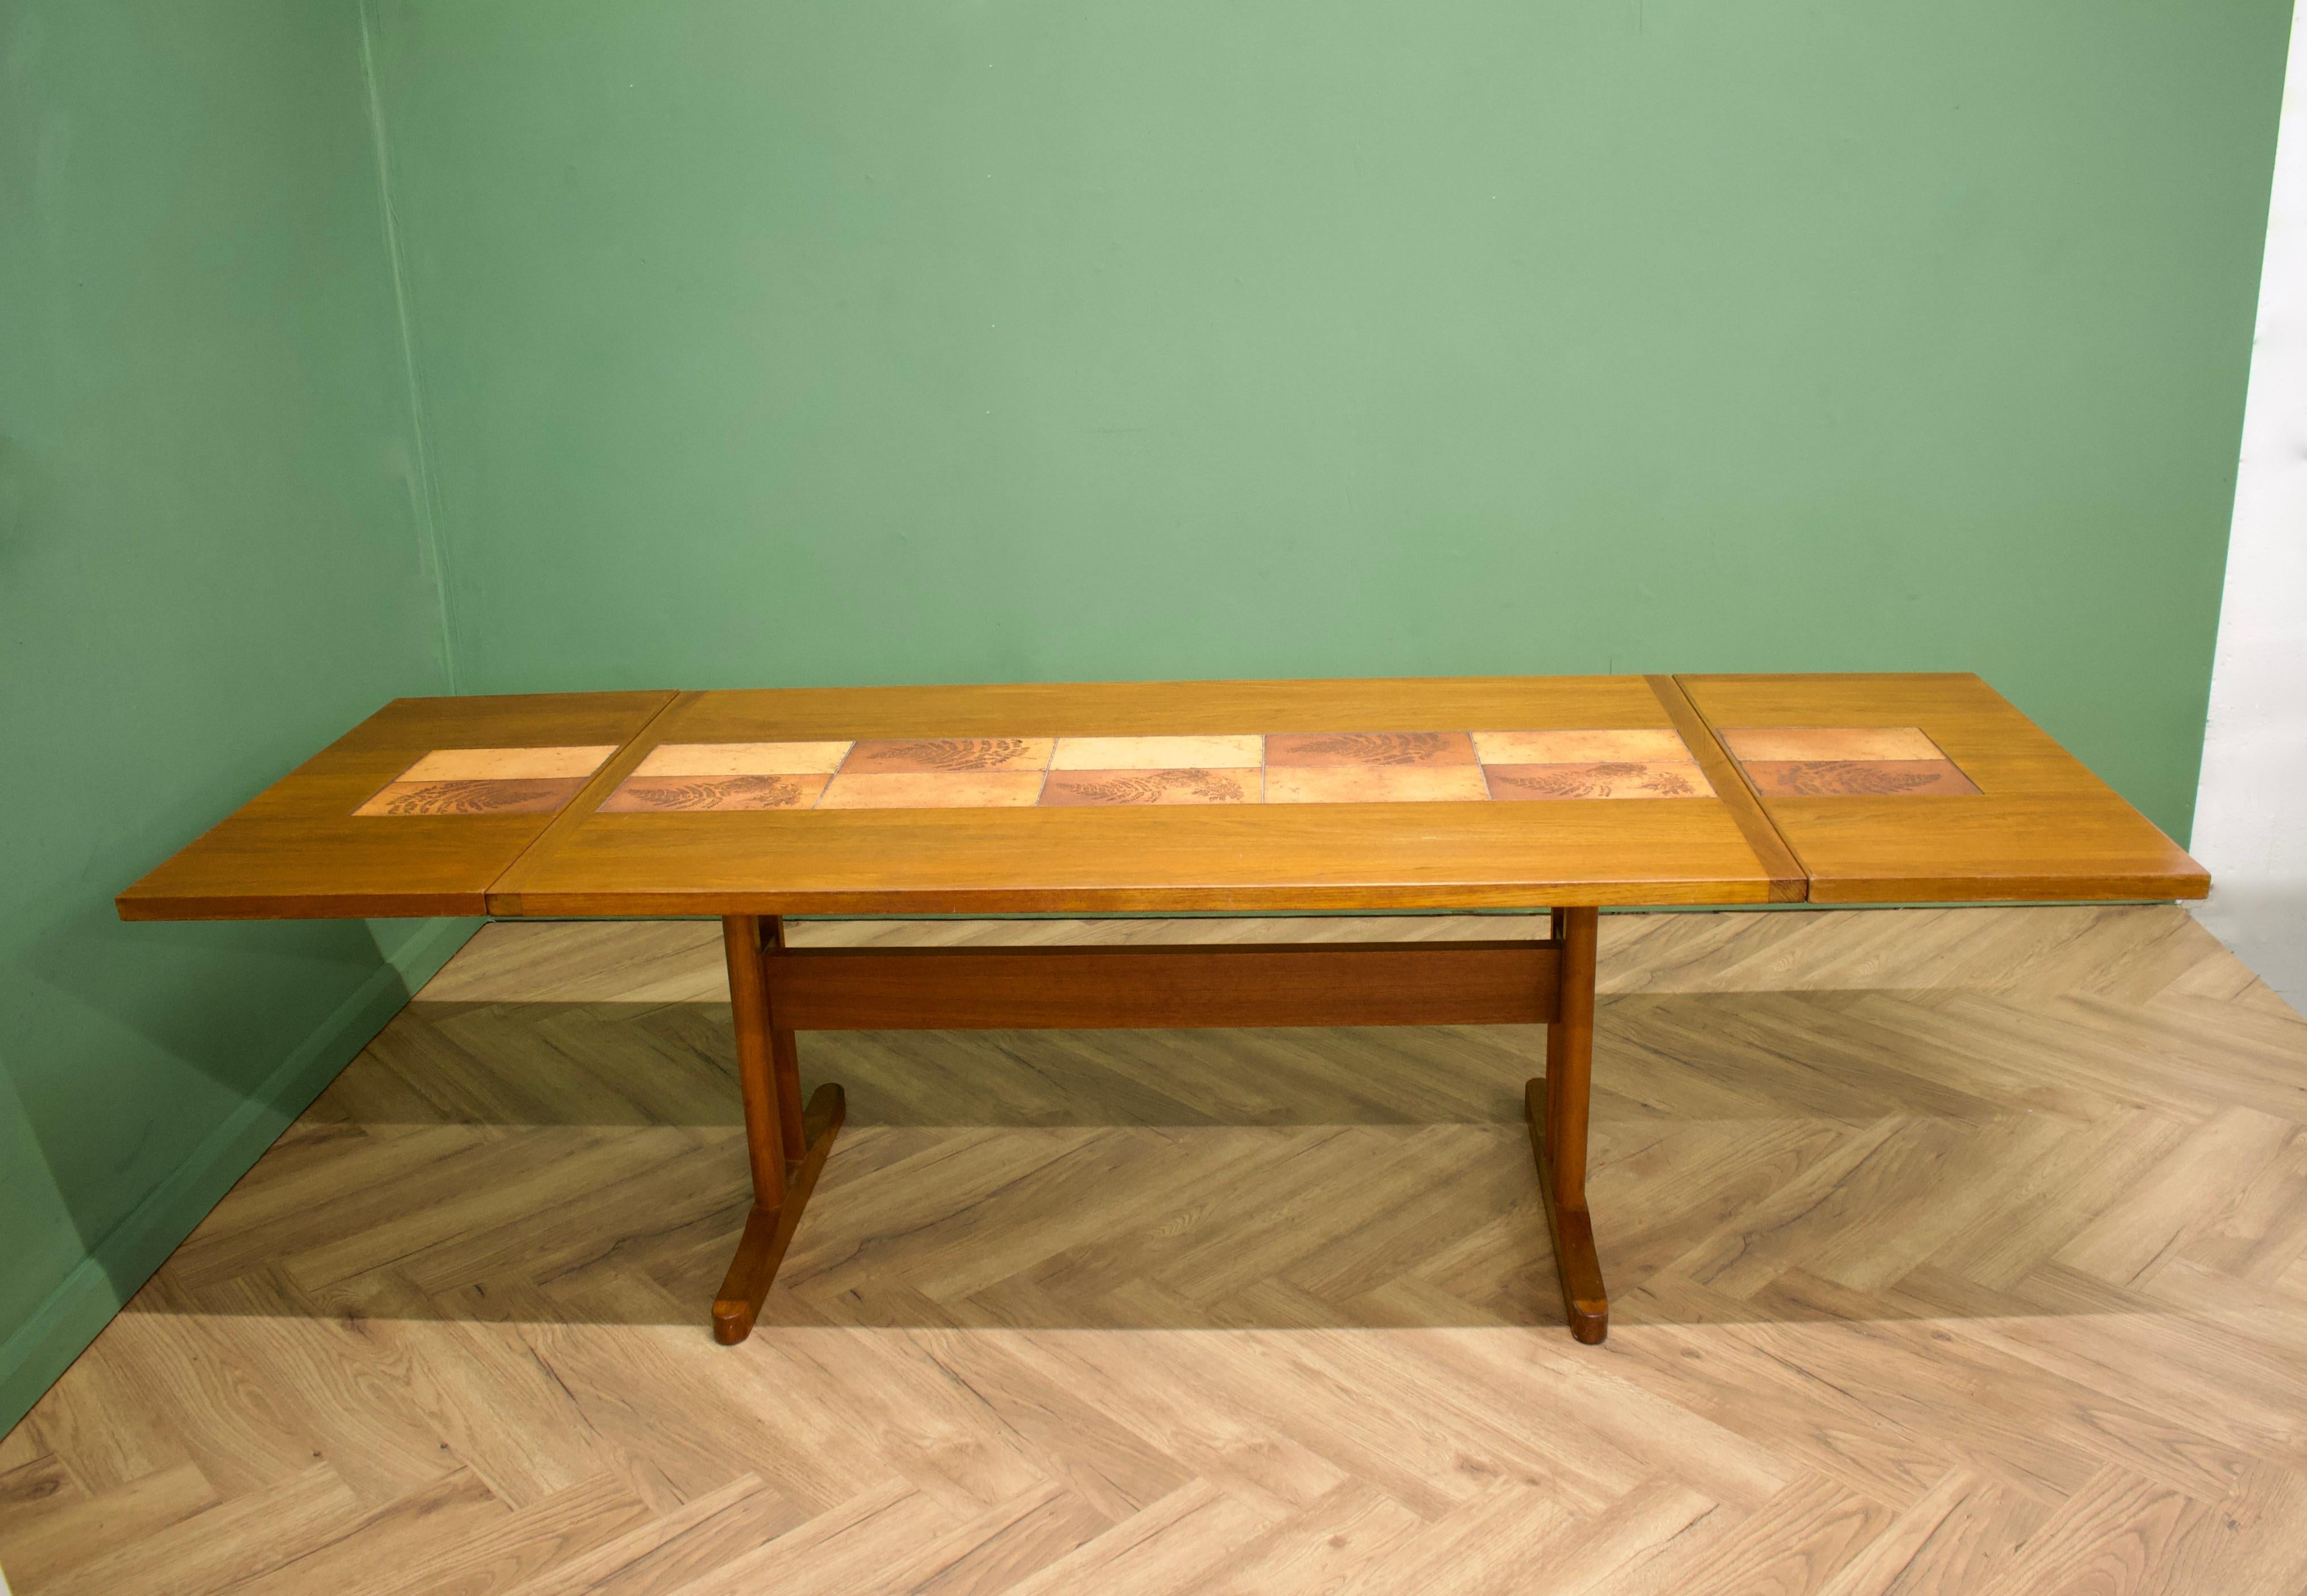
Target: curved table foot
1583, 1298
769, 1231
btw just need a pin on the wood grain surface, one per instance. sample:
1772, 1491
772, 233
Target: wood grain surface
1075, 988
298, 851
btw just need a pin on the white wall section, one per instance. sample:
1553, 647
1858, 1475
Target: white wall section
2250, 814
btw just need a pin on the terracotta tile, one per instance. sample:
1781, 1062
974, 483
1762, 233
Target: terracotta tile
891, 755
1633, 746
1320, 749
1243, 752
1151, 787
933, 790
1857, 777
743, 759
499, 764
647, 795
1428, 784
1604, 779
1825, 742
473, 798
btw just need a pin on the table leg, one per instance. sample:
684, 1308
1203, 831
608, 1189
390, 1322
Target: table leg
785, 1143
1556, 1107
784, 1059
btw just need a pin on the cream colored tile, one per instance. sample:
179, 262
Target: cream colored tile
1159, 753
743, 759
499, 764
1828, 742
1638, 745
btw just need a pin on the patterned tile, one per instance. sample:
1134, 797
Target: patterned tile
933, 789
1379, 784
1066, 787
1634, 746
649, 794
1857, 777
1327, 767
1245, 752
1823, 743
499, 764
925, 754
488, 797
743, 759
1603, 779
1333, 749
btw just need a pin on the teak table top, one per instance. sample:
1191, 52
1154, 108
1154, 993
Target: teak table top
1176, 796
298, 851
2041, 827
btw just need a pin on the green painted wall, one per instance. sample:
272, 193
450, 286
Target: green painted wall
212, 559
778, 342
757, 341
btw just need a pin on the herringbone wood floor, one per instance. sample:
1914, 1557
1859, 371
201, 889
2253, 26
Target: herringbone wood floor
1951, 1252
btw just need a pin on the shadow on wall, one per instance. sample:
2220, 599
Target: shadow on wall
146, 1066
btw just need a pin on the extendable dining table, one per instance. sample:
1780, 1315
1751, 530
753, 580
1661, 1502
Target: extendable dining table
1559, 794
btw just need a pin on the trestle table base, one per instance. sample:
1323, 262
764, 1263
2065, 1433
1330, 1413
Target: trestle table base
776, 991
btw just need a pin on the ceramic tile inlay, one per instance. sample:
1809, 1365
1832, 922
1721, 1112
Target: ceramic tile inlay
743, 759
895, 755
499, 764
1751, 743
1644, 746
1360, 750
933, 790
1601, 779
1092, 771
1152, 787
683, 776
641, 795
1845, 762
472, 797
1373, 784
1245, 752
489, 781
1857, 777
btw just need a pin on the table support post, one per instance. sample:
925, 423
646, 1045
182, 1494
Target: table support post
1555, 1106
785, 1055
785, 1144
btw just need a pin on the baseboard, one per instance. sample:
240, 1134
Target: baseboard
44, 1347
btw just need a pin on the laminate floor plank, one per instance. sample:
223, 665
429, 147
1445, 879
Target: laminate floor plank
1950, 1252
226, 1545
1950, 1542
1792, 1546
674, 1548
47, 1545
